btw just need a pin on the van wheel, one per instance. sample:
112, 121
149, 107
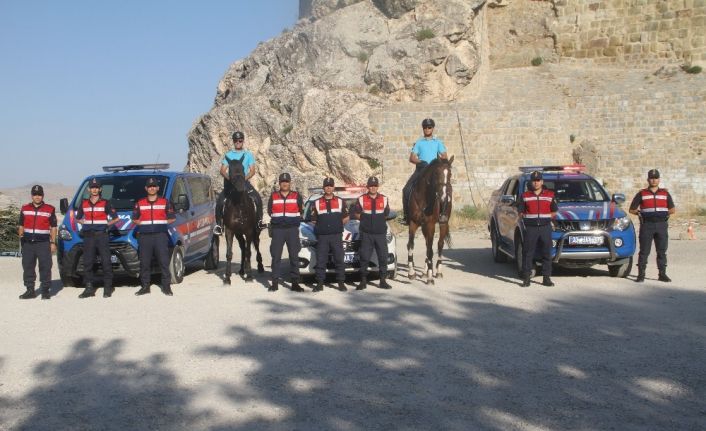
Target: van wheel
498, 256
211, 261
518, 259
621, 271
176, 266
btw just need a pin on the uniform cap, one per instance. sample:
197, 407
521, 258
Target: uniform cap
37, 190
284, 177
536, 175
152, 181
373, 181
238, 135
428, 122
328, 181
94, 183
653, 173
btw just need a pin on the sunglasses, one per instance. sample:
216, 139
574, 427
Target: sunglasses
152, 185
239, 140
427, 127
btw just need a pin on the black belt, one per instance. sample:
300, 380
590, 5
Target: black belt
648, 220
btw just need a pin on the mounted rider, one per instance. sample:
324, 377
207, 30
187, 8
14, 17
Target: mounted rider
427, 149
248, 160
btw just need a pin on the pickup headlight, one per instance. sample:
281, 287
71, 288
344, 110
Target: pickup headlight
621, 223
306, 242
64, 233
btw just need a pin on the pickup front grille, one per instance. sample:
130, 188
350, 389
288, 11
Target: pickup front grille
575, 225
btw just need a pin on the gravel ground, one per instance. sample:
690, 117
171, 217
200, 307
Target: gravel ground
475, 351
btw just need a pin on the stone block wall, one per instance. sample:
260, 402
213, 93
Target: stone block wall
623, 123
631, 31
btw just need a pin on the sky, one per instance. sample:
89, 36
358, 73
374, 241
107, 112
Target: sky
84, 84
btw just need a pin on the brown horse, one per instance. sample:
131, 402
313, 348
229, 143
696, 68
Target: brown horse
240, 220
430, 203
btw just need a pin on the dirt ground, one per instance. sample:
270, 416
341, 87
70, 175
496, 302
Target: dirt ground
475, 351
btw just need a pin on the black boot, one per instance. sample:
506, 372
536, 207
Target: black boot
88, 291
319, 286
342, 287
296, 287
167, 291
273, 287
663, 276
363, 284
45, 293
547, 281
108, 291
29, 294
640, 276
525, 280
383, 283
144, 290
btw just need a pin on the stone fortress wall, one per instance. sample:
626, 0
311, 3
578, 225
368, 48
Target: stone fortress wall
618, 120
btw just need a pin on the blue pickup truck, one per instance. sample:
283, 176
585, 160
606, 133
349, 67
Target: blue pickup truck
590, 227
191, 235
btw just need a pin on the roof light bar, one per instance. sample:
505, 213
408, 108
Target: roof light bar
555, 168
146, 166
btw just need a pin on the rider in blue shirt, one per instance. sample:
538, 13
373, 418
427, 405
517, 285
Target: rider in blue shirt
248, 161
427, 149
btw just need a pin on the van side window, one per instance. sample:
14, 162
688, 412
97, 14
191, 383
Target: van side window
178, 189
199, 190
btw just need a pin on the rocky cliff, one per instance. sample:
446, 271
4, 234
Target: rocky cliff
303, 98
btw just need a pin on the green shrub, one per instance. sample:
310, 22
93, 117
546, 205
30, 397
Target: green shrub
288, 128
374, 90
537, 61
8, 229
572, 138
363, 56
691, 69
425, 33
374, 163
472, 213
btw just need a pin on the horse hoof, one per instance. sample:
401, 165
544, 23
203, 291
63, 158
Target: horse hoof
439, 275
260, 269
226, 281
248, 279
412, 276
430, 281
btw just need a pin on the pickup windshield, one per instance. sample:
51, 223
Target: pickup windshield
579, 190
123, 191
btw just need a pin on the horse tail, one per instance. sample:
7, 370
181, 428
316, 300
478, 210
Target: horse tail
447, 239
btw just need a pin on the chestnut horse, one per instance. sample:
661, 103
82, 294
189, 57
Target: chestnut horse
429, 204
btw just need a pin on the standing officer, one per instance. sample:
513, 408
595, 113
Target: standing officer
372, 209
537, 208
248, 161
153, 215
285, 210
96, 215
329, 214
654, 206
427, 149
37, 231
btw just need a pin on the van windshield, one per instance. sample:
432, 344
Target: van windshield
123, 191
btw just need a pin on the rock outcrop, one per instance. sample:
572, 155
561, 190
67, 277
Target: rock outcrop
302, 99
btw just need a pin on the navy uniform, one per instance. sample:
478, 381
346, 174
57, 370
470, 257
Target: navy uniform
153, 215
37, 231
96, 215
654, 206
285, 210
329, 214
537, 208
372, 209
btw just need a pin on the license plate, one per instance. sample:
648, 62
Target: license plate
586, 240
350, 258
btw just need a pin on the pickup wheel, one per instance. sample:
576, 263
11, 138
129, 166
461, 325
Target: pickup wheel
498, 256
176, 266
621, 271
518, 259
